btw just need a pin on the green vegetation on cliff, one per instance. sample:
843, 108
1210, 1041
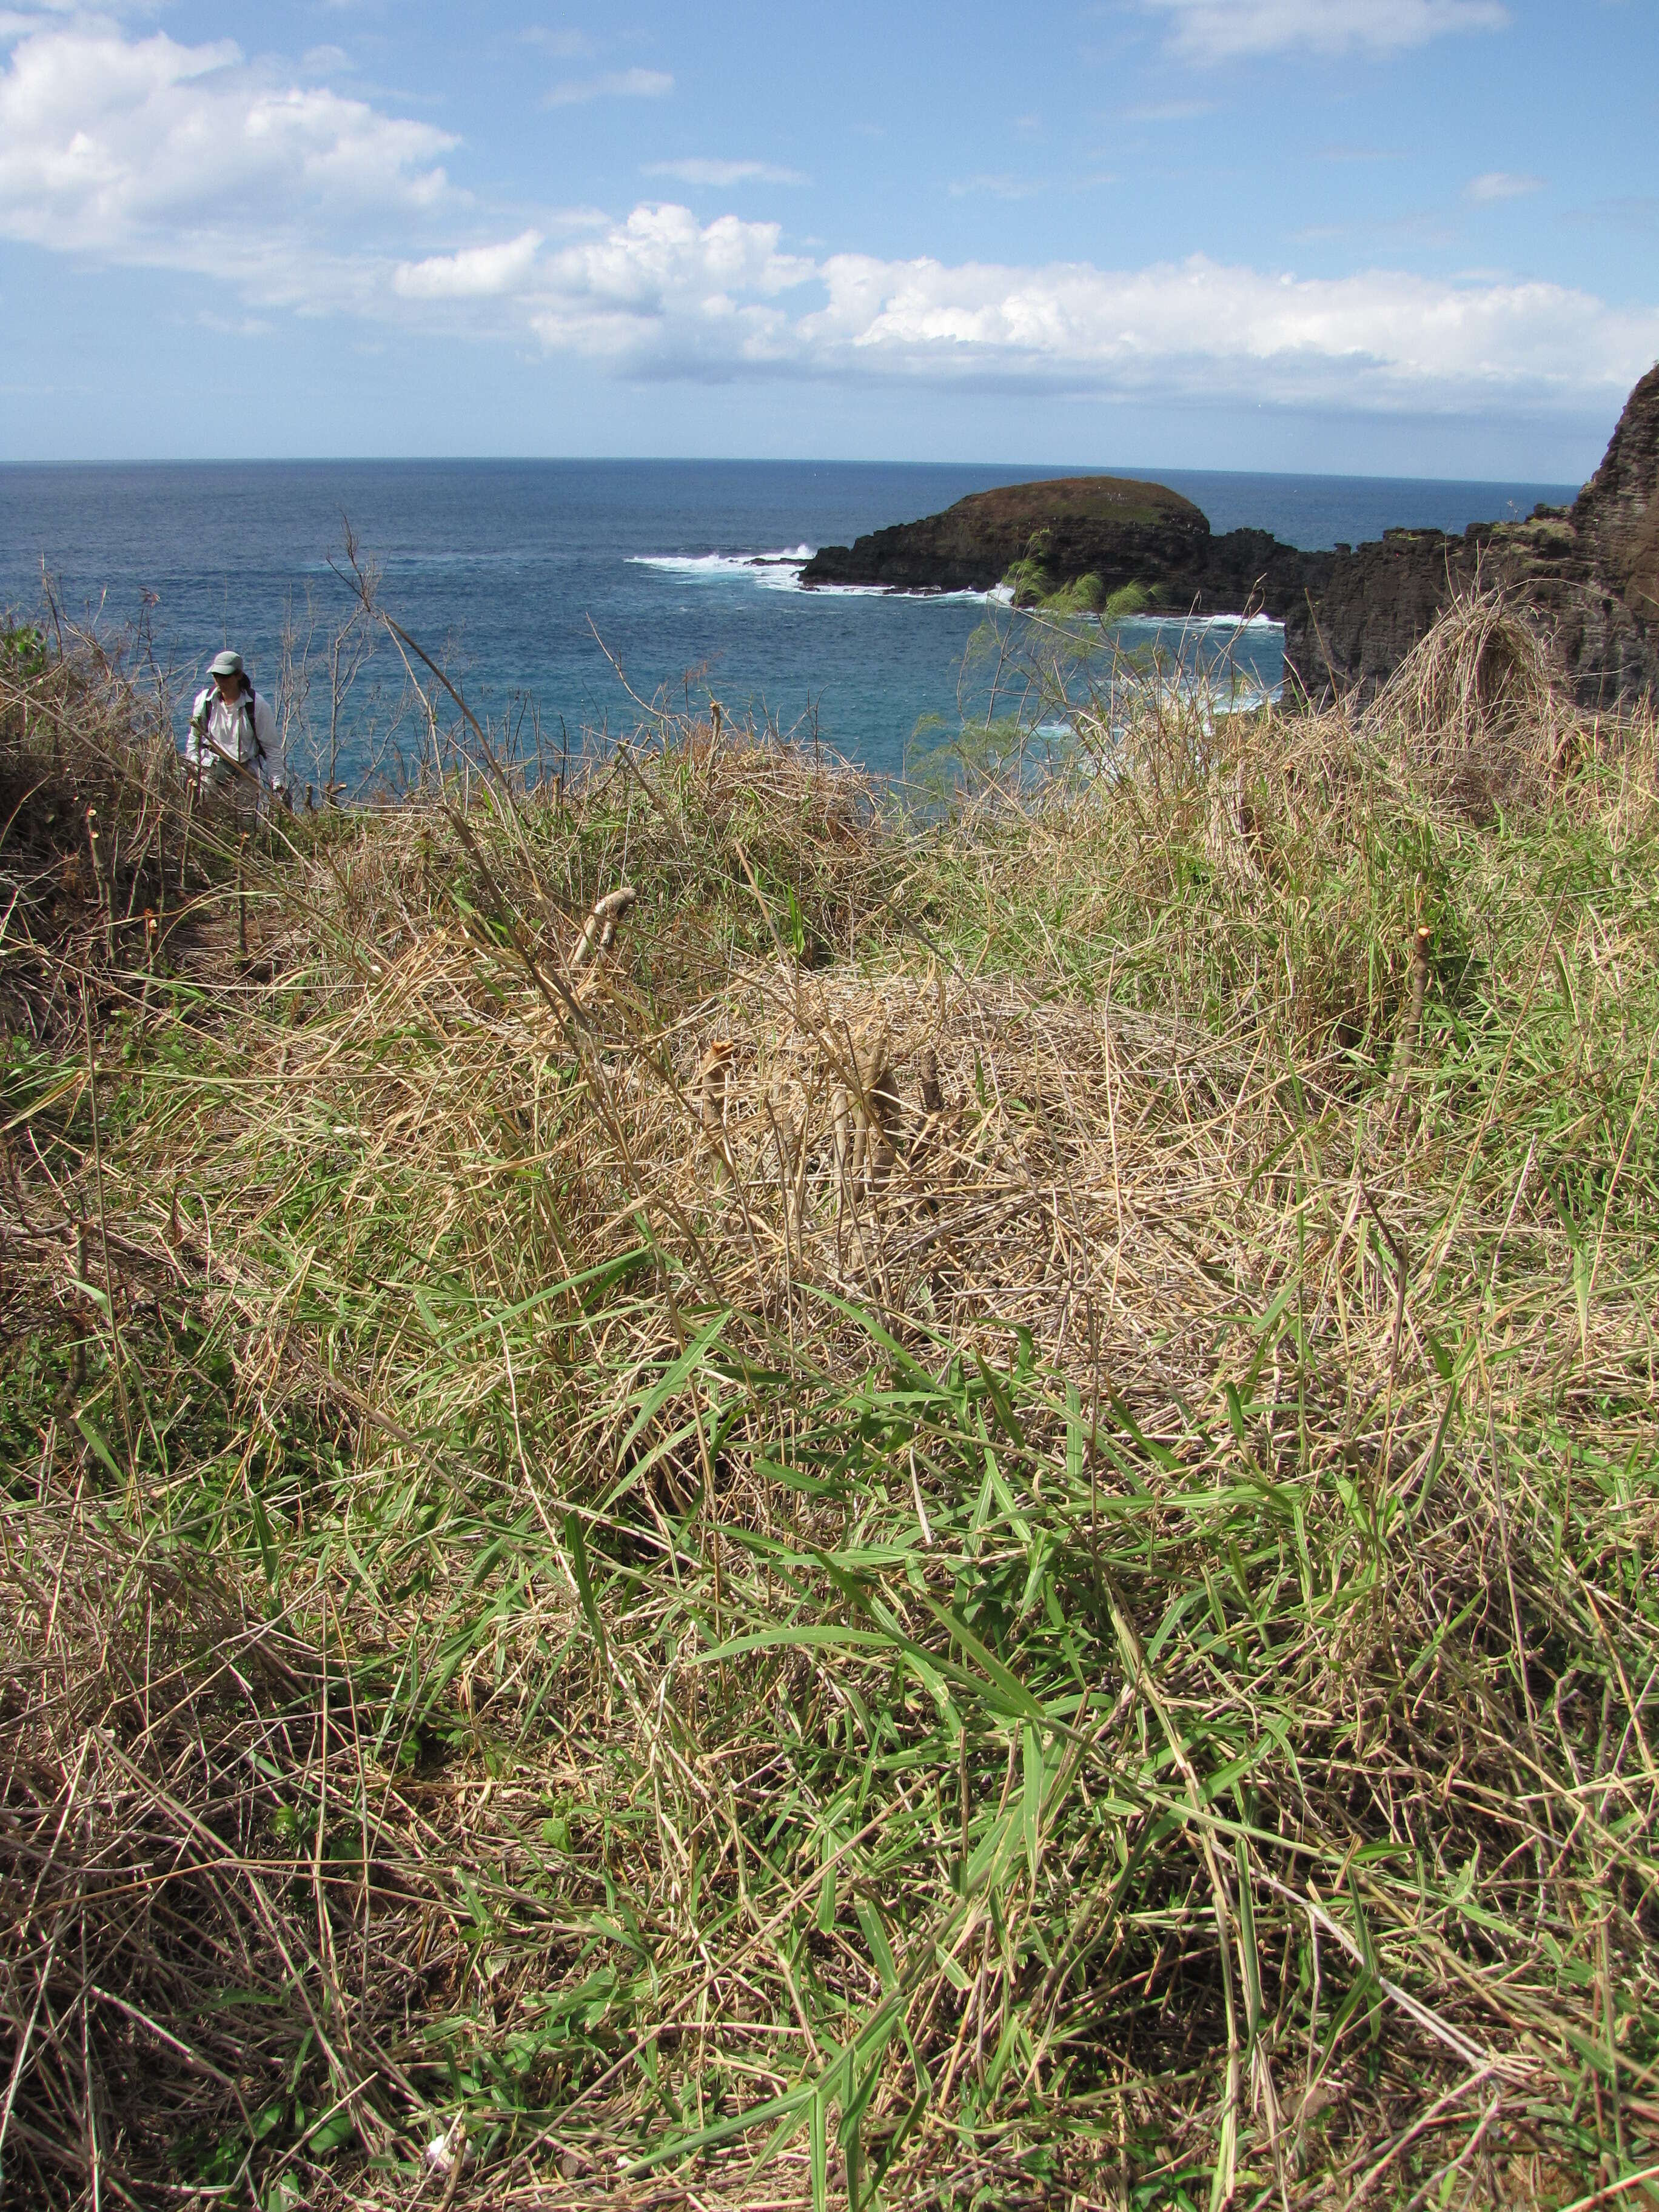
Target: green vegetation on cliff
1034, 585
971, 1522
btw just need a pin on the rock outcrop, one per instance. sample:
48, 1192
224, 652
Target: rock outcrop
1589, 572
1052, 533
1111, 527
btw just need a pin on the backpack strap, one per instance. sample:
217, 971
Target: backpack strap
252, 720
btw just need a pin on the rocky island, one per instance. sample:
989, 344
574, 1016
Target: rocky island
1088, 540
1119, 546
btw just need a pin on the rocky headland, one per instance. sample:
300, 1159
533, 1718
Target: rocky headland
1117, 545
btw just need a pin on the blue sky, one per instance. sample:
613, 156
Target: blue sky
1378, 236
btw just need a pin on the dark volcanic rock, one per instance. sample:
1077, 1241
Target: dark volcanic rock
1590, 573
1252, 571
1115, 528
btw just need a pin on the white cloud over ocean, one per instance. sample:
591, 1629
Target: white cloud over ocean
1230, 30
1497, 185
1377, 339
663, 294
615, 84
141, 151
722, 175
476, 272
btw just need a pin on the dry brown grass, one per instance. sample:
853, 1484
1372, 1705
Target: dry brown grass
1480, 723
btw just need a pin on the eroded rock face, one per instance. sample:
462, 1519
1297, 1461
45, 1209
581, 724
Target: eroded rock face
1617, 513
1591, 572
1253, 572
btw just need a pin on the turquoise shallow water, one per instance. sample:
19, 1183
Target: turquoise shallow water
514, 571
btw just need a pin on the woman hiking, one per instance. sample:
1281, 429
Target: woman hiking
234, 746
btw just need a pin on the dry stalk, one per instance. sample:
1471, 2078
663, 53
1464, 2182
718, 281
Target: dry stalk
598, 931
1405, 1050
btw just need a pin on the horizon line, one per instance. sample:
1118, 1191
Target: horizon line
1135, 472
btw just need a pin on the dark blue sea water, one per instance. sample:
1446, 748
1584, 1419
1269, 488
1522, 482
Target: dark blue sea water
513, 572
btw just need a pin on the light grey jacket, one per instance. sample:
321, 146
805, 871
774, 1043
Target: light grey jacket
220, 735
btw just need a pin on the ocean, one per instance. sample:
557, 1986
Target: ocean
529, 579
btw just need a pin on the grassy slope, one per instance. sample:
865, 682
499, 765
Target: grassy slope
1049, 499
1118, 1661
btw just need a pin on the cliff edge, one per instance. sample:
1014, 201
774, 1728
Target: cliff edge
1589, 572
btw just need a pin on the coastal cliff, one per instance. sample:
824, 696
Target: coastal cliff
1109, 534
1589, 572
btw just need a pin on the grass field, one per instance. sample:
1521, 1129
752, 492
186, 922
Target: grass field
972, 1522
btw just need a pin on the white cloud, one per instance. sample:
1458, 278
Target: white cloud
664, 292
1499, 184
662, 295
619, 84
476, 272
722, 175
15, 21
148, 152
1224, 30
1377, 338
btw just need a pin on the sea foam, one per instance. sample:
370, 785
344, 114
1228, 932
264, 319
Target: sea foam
781, 572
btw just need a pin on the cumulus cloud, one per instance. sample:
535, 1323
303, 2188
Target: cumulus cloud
663, 296
145, 151
1226, 30
1499, 185
617, 84
1379, 338
663, 293
724, 174
476, 272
